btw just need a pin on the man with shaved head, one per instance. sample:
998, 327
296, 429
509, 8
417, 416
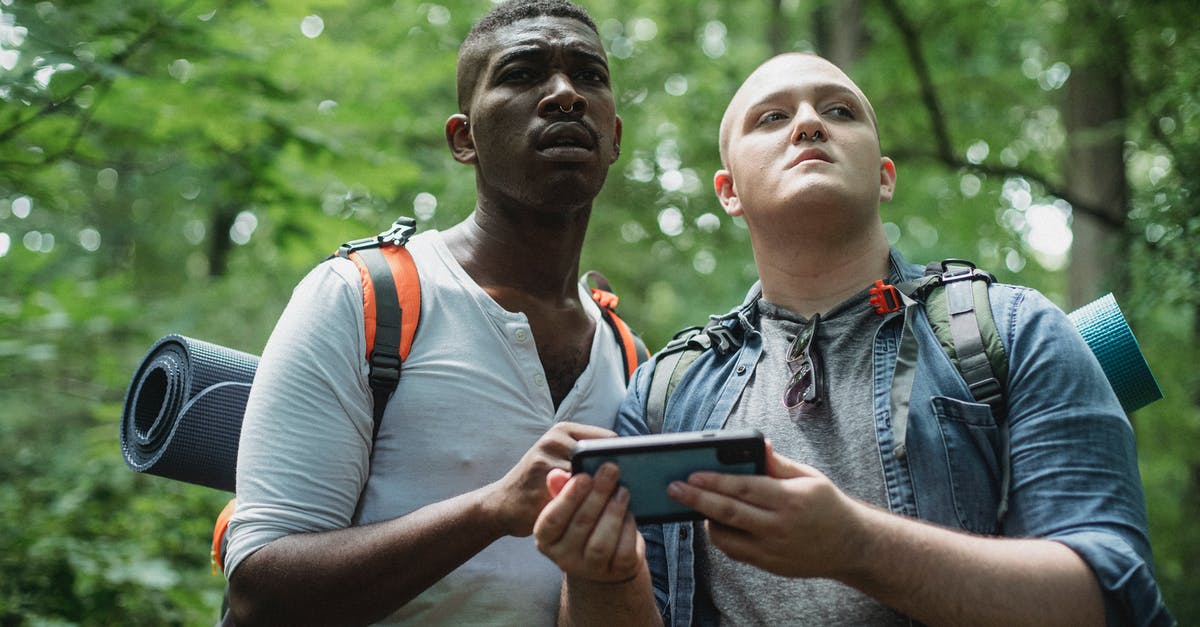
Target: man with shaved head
428, 522
885, 500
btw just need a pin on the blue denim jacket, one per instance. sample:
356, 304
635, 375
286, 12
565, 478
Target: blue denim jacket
1074, 469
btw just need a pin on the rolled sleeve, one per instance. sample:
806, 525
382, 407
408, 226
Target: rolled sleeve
1074, 461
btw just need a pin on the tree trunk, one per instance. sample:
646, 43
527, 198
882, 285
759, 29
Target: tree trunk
840, 35
1094, 115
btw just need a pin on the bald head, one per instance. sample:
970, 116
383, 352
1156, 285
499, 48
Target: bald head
790, 71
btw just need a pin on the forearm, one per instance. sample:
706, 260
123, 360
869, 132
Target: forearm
586, 602
362, 574
945, 577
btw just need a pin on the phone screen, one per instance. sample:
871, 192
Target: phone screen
647, 470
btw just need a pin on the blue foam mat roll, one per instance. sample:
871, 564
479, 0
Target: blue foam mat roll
1106, 332
183, 411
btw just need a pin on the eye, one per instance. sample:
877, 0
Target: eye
516, 75
840, 111
769, 117
592, 76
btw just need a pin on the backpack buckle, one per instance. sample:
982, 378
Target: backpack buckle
385, 369
965, 272
398, 234
885, 298
721, 338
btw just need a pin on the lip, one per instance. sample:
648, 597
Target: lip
568, 141
810, 154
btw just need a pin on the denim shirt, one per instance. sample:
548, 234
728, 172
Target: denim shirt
1074, 469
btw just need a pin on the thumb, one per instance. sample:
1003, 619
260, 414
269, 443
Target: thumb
781, 467
555, 480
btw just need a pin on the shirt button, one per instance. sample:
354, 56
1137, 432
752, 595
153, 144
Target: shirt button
683, 532
539, 379
741, 369
522, 335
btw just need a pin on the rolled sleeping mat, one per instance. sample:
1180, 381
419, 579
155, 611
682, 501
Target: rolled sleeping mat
183, 411
1106, 332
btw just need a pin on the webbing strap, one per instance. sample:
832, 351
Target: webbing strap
633, 350
902, 380
382, 306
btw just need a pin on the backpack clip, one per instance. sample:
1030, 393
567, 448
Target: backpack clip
398, 234
965, 272
721, 338
885, 298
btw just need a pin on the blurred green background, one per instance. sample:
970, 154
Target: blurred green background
177, 166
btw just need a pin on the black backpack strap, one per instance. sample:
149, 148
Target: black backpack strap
384, 354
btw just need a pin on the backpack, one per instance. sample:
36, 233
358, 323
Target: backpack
954, 294
391, 312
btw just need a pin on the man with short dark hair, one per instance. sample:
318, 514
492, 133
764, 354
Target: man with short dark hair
884, 501
427, 522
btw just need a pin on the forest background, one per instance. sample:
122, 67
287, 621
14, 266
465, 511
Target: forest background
177, 166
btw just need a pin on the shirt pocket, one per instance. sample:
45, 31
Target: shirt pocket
972, 444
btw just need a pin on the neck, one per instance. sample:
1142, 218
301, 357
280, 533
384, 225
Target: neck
811, 275
520, 251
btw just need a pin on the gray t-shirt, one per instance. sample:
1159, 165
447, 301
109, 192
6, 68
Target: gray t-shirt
836, 436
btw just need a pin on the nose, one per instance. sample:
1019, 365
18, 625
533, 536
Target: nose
562, 97
808, 125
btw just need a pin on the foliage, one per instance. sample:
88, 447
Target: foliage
177, 165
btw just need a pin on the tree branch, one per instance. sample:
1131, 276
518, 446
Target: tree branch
944, 146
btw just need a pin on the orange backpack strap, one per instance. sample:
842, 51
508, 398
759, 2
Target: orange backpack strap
219, 529
633, 350
391, 305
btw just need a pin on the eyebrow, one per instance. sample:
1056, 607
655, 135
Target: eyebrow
821, 89
537, 52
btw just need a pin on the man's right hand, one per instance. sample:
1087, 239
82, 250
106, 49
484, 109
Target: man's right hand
587, 529
519, 496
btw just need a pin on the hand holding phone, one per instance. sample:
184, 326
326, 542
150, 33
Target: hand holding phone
649, 463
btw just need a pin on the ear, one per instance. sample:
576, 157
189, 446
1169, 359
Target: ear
727, 193
616, 140
887, 179
458, 137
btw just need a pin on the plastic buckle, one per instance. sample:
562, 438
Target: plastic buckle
969, 273
987, 391
723, 340
605, 299
402, 229
885, 298
384, 369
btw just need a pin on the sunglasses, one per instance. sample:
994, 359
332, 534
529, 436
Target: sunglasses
805, 363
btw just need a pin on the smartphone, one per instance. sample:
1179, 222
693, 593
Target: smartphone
649, 463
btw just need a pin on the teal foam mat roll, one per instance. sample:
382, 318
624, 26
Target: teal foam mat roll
1106, 332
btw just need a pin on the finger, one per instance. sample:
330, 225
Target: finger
719, 507
735, 543
606, 535
556, 479
579, 431
556, 516
585, 517
627, 556
557, 442
781, 467
757, 490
